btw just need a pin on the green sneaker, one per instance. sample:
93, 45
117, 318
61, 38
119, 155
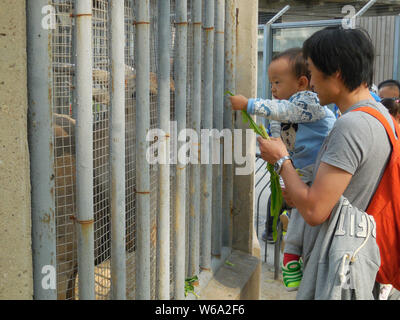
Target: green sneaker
292, 275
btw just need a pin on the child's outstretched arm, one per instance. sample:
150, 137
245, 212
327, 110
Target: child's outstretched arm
304, 107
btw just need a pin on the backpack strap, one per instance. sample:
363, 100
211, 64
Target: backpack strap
375, 113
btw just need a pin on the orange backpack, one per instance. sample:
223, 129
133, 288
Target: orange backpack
385, 208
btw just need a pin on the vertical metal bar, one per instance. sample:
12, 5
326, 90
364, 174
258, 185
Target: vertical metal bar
194, 223
180, 109
163, 239
84, 149
142, 166
40, 95
117, 143
396, 55
218, 122
267, 56
230, 69
206, 183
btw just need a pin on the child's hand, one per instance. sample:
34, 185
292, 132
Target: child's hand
239, 102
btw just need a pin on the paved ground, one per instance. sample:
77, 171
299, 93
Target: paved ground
270, 289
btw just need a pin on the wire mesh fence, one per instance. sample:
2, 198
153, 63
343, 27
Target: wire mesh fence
64, 123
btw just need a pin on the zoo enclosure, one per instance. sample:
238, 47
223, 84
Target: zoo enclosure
100, 75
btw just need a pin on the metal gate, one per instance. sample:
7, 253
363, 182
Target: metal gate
106, 223
276, 37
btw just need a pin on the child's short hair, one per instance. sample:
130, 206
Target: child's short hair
393, 105
297, 61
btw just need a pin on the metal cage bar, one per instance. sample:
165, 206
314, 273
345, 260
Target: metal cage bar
84, 149
206, 181
163, 238
142, 59
40, 92
117, 142
230, 79
218, 123
194, 217
180, 110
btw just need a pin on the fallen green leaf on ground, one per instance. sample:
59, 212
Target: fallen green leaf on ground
227, 262
189, 285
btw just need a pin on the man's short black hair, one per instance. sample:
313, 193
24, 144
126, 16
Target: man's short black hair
296, 60
389, 83
349, 51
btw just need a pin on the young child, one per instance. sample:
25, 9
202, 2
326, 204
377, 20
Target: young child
393, 105
304, 124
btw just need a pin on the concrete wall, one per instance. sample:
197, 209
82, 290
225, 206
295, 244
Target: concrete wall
246, 84
15, 215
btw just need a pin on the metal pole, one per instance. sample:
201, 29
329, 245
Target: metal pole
41, 147
206, 181
267, 56
396, 65
306, 24
180, 109
364, 9
218, 122
84, 149
142, 166
278, 15
117, 143
361, 12
230, 79
163, 239
194, 223
267, 51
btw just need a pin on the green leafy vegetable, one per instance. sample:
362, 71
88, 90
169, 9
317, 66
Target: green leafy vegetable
276, 192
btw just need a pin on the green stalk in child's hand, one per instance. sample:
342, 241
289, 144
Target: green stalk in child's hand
275, 187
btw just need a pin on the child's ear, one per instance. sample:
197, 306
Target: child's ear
303, 83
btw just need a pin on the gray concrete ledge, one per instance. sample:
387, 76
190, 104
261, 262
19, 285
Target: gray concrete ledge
236, 279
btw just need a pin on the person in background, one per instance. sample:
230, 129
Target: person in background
393, 105
389, 89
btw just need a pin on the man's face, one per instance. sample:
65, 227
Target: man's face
389, 92
324, 86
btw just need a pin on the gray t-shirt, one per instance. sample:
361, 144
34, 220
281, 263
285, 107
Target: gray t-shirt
358, 144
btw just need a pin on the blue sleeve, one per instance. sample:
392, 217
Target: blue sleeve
302, 108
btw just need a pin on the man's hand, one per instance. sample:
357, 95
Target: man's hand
272, 150
239, 102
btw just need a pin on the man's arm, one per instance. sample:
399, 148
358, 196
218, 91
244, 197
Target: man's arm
316, 202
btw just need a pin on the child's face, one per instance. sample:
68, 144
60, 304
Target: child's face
283, 82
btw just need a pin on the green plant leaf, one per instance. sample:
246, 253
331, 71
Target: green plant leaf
275, 187
227, 262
